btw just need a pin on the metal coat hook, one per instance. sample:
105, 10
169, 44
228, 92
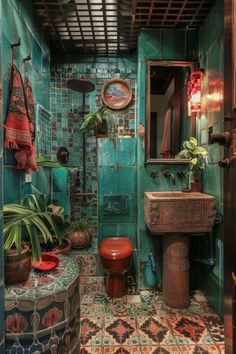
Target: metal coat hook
17, 44
13, 46
27, 58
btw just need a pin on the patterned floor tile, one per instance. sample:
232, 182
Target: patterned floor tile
87, 299
162, 309
189, 330
91, 350
215, 326
120, 331
101, 298
143, 309
169, 349
198, 349
91, 332
141, 323
133, 299
132, 286
122, 350
199, 296
154, 330
147, 297
91, 310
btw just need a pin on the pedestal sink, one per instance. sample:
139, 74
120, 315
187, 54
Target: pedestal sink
176, 215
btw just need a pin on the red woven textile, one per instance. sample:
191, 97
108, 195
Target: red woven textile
32, 164
19, 132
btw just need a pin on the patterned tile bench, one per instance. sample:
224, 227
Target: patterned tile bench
42, 314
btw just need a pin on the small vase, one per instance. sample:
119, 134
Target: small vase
196, 186
101, 129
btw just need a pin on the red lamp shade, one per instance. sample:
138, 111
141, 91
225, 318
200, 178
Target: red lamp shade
194, 92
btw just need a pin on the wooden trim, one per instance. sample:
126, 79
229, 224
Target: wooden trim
170, 63
166, 162
113, 81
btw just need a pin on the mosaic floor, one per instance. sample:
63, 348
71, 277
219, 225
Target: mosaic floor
141, 323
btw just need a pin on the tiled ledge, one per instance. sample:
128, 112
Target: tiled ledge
43, 312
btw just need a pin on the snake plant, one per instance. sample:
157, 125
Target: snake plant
32, 220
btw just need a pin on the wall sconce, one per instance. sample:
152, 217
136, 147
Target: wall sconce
194, 91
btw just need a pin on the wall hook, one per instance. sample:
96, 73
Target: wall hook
27, 58
13, 45
17, 44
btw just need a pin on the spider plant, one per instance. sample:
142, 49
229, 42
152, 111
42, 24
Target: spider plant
32, 220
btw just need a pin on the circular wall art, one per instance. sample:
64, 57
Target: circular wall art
116, 93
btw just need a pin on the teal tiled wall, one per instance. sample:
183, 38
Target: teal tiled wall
211, 54
111, 162
19, 20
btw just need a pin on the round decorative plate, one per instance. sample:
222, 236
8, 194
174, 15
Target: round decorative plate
116, 94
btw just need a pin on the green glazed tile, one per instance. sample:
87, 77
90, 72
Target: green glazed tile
12, 185
60, 182
107, 180
127, 180
173, 44
126, 152
106, 152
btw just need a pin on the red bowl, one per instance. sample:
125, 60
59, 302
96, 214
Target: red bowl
49, 261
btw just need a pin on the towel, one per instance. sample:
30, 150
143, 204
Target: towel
17, 134
166, 142
32, 164
18, 128
30, 106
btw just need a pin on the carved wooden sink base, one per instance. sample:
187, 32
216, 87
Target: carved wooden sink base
176, 270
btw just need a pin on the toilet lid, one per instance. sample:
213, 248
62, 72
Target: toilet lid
115, 248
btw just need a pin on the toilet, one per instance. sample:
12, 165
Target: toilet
116, 254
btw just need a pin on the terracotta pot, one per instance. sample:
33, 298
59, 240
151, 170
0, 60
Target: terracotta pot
196, 186
64, 248
101, 129
17, 266
80, 239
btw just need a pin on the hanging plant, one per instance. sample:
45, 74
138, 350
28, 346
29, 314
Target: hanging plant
93, 120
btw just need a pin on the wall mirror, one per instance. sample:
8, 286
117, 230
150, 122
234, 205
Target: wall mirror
166, 108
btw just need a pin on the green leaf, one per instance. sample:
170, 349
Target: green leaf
194, 161
193, 141
187, 145
200, 151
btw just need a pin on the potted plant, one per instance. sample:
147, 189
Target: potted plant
26, 226
198, 159
81, 233
96, 121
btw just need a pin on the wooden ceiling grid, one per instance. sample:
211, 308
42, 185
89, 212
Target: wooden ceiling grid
112, 26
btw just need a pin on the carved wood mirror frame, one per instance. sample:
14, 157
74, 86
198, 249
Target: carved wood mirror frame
171, 63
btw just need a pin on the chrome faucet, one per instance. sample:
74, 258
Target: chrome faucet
171, 175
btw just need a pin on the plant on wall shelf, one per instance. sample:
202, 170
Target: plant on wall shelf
197, 156
93, 120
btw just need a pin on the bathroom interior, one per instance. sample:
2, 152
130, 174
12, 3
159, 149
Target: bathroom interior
118, 117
